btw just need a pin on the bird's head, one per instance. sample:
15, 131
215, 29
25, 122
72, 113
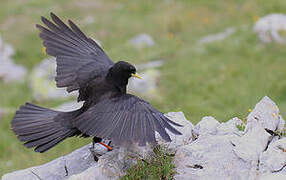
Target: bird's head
123, 70
120, 72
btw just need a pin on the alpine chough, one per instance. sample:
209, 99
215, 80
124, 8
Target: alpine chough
108, 111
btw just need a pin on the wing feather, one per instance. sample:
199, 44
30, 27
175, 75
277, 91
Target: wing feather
159, 127
143, 137
79, 58
125, 119
152, 138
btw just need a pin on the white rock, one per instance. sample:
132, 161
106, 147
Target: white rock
209, 157
208, 125
267, 114
250, 145
9, 71
268, 28
273, 176
274, 159
114, 164
147, 86
42, 82
255, 140
149, 65
221, 152
92, 173
229, 127
186, 130
142, 40
217, 37
59, 168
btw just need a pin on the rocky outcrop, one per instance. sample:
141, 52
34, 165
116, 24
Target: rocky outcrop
235, 149
221, 151
142, 40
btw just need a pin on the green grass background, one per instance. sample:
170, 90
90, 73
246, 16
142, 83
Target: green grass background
222, 79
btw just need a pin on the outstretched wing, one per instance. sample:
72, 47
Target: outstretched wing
78, 57
125, 119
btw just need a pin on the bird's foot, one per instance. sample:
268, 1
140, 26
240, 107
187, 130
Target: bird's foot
103, 142
93, 153
107, 145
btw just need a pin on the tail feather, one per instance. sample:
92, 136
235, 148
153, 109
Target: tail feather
39, 135
44, 140
50, 144
39, 127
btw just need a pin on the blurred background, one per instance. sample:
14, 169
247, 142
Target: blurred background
202, 57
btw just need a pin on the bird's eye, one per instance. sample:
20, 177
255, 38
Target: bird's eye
132, 69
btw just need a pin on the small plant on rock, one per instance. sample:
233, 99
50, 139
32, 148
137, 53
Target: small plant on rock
159, 166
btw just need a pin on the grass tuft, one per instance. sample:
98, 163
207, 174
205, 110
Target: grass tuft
159, 166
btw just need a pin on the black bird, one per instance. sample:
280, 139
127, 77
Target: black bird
108, 111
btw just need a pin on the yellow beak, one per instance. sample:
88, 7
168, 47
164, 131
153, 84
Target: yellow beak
136, 75
44, 50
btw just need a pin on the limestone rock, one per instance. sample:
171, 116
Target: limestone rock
273, 176
267, 114
271, 28
222, 152
150, 65
59, 168
42, 82
9, 71
217, 37
186, 130
92, 173
230, 127
147, 86
274, 159
142, 40
209, 157
208, 125
114, 164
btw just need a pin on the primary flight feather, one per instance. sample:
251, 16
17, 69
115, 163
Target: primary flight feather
108, 111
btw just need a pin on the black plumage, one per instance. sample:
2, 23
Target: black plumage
108, 111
